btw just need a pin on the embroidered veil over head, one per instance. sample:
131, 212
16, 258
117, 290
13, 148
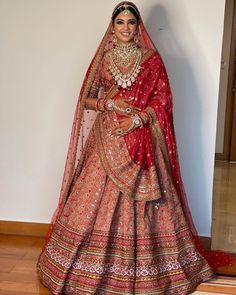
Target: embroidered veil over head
160, 105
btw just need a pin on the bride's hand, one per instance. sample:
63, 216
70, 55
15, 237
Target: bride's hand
122, 106
124, 126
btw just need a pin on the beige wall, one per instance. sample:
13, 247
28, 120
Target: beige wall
45, 47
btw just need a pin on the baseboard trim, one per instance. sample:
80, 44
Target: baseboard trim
220, 156
41, 229
23, 228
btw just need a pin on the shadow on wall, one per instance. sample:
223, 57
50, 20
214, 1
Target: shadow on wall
187, 107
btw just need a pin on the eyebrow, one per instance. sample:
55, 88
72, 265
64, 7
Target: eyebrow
119, 19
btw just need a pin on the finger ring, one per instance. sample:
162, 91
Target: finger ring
128, 110
119, 131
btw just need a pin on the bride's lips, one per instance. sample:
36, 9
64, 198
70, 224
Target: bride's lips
125, 34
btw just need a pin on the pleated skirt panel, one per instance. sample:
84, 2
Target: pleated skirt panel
104, 242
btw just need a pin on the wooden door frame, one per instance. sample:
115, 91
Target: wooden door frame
230, 95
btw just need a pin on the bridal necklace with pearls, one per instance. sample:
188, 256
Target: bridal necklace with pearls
124, 54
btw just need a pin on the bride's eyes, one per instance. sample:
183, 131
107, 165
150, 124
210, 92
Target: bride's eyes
132, 22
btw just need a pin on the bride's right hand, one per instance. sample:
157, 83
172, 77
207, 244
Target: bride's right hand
125, 108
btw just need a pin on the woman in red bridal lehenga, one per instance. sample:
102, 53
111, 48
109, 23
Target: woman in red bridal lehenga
123, 225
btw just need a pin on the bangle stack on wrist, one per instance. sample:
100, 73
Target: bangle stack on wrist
146, 117
100, 105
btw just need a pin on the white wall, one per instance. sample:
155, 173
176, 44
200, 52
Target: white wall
45, 48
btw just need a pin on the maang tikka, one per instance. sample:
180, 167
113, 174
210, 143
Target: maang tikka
126, 12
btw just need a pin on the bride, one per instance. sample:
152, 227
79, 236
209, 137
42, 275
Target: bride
123, 224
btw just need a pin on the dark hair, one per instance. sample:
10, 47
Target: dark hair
130, 6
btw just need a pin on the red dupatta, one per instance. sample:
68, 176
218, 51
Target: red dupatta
151, 91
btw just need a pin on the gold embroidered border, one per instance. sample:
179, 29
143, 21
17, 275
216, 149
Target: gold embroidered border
158, 134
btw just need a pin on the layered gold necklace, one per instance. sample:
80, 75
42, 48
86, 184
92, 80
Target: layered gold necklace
123, 55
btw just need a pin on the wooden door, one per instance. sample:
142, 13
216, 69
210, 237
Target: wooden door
232, 154
233, 134
227, 84
230, 118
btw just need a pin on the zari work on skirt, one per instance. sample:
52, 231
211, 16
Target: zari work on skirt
107, 243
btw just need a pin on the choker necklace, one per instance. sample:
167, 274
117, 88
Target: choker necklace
123, 55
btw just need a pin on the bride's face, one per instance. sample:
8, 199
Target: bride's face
125, 27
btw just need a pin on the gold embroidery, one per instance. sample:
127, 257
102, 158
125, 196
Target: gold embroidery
138, 183
157, 133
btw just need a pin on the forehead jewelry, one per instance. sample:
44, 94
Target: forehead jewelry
125, 5
126, 12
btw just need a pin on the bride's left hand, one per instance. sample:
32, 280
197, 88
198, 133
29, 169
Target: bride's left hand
124, 125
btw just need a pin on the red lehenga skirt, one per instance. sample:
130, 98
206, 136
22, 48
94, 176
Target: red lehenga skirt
104, 242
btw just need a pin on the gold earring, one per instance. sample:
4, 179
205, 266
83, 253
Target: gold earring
136, 39
114, 38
